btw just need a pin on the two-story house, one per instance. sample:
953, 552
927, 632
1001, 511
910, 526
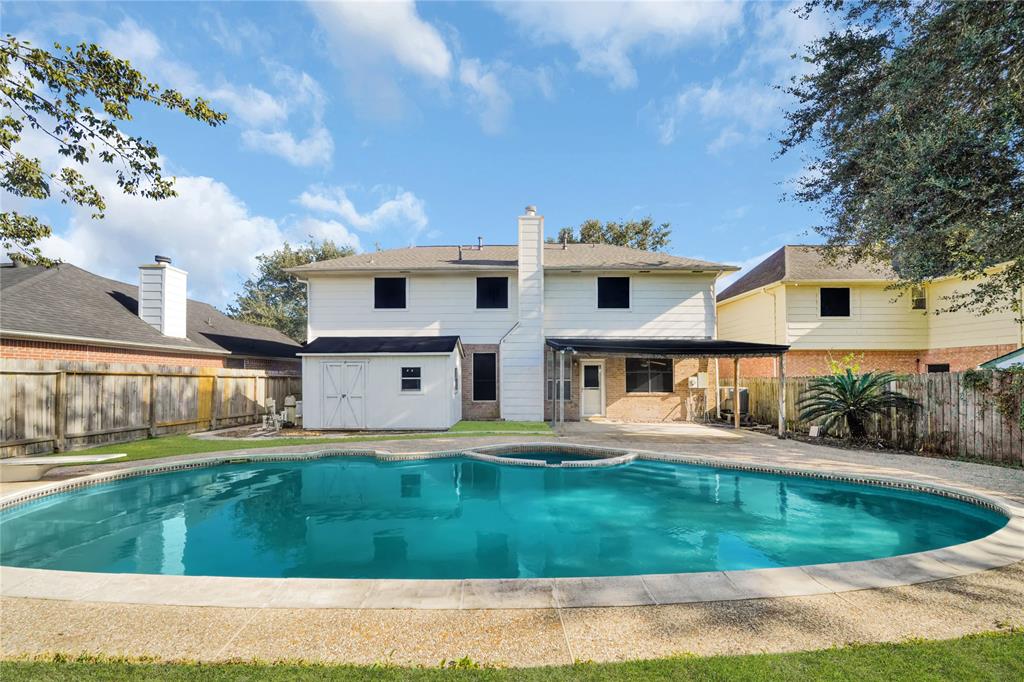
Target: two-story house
424, 336
824, 311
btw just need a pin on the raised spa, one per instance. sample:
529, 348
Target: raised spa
459, 517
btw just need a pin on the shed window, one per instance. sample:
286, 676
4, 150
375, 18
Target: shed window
485, 376
648, 376
492, 292
613, 292
388, 292
411, 379
918, 299
835, 301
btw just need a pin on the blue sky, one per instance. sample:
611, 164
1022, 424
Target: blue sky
435, 123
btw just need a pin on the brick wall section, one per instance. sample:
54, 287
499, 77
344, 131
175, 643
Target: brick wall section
801, 363
471, 409
20, 349
683, 404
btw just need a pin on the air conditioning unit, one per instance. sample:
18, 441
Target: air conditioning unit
726, 400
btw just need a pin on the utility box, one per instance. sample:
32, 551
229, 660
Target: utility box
699, 380
727, 400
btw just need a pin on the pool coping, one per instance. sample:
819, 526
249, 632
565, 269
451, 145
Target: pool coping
1001, 548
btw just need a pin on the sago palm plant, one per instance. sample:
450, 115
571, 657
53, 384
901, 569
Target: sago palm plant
850, 398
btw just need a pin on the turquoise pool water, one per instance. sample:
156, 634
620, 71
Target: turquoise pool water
349, 517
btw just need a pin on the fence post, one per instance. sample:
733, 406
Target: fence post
782, 396
152, 405
215, 406
60, 413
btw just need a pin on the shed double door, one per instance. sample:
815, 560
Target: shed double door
344, 397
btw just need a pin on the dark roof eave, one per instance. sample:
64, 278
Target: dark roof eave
669, 347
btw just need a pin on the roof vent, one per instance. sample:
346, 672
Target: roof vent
479, 242
460, 251
162, 259
531, 210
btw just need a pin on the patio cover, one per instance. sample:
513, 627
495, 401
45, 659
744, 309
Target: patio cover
678, 348
685, 348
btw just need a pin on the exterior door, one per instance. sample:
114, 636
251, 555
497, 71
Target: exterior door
592, 389
344, 399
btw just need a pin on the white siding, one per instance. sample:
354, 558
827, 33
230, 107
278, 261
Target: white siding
752, 318
163, 298
661, 306
437, 305
876, 322
963, 327
386, 405
522, 351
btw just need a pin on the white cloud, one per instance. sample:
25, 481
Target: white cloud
206, 229
605, 34
253, 106
375, 43
488, 95
316, 149
746, 104
326, 229
402, 212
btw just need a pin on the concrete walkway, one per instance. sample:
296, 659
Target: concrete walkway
944, 608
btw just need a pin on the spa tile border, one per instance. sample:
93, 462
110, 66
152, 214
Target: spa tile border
1001, 548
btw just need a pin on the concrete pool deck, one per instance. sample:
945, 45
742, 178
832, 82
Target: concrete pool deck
825, 609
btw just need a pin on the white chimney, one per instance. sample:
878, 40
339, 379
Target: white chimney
522, 351
163, 296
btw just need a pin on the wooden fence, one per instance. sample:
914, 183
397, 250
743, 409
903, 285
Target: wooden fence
45, 410
953, 419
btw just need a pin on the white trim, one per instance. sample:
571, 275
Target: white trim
602, 376
87, 340
371, 354
418, 391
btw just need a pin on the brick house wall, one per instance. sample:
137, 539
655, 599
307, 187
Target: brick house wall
682, 404
800, 363
479, 410
25, 349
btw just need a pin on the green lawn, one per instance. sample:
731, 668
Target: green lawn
166, 446
994, 656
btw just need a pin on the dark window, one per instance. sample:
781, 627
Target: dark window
944, 367
234, 363
835, 302
412, 485
389, 292
411, 379
613, 292
591, 376
566, 386
485, 376
492, 292
648, 376
918, 299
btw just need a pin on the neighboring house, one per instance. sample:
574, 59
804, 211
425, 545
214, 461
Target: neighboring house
824, 312
421, 337
67, 314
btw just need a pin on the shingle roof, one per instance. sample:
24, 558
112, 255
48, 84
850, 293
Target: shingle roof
505, 257
802, 263
68, 301
381, 344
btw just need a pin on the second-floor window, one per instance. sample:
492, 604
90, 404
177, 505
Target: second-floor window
613, 292
918, 299
492, 292
835, 301
389, 293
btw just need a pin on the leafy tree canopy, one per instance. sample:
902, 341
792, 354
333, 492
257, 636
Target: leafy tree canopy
76, 96
636, 234
274, 298
917, 110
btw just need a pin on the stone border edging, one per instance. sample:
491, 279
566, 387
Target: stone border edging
1003, 547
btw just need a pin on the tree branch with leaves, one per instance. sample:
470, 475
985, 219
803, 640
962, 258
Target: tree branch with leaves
77, 97
637, 234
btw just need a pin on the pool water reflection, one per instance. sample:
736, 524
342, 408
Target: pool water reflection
348, 517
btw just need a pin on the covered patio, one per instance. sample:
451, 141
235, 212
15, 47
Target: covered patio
639, 380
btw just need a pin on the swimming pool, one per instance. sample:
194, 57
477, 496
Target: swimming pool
458, 517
